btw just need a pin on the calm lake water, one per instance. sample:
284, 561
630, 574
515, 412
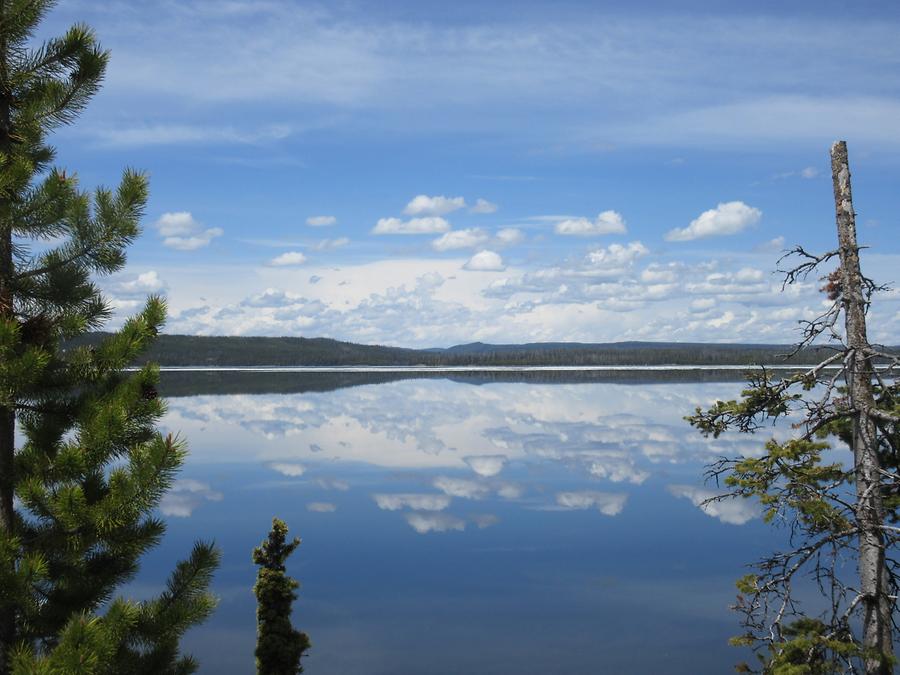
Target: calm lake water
481, 524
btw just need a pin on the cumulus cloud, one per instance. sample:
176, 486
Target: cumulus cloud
616, 256
727, 218
733, 511
485, 261
749, 275
186, 495
460, 239
291, 469
608, 222
722, 320
321, 507
144, 283
484, 206
423, 205
424, 523
702, 304
607, 503
508, 236
486, 465
321, 221
182, 232
272, 297
426, 225
288, 259
416, 502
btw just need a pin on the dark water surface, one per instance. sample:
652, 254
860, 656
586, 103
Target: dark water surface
479, 524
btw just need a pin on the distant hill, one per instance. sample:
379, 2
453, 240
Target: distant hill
192, 350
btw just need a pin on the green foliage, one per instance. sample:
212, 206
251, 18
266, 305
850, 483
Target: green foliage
814, 499
90, 466
279, 646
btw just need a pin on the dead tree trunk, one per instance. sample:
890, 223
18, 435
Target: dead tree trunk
873, 573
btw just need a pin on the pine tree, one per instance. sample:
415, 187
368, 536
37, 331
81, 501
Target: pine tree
279, 646
81, 464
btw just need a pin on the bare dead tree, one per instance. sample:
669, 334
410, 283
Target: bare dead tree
840, 515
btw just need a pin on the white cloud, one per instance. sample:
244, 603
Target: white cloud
485, 261
291, 469
607, 503
722, 321
460, 239
321, 221
508, 236
484, 206
702, 304
733, 510
288, 259
181, 231
171, 134
144, 283
428, 225
749, 275
798, 119
424, 523
726, 218
656, 274
460, 487
331, 244
809, 172
616, 256
416, 502
775, 245
321, 507
423, 205
608, 222
486, 465
184, 496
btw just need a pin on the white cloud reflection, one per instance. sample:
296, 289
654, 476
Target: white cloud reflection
454, 441
733, 511
486, 465
423, 523
185, 496
321, 507
607, 503
416, 502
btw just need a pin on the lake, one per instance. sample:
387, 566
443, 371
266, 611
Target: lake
465, 522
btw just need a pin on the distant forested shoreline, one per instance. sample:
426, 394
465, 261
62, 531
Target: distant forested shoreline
193, 350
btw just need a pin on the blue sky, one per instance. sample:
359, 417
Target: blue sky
512, 172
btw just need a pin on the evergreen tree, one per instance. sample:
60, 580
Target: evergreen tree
81, 464
279, 646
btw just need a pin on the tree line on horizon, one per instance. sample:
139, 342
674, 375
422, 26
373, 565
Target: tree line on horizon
212, 351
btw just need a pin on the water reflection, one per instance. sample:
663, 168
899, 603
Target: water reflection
484, 514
